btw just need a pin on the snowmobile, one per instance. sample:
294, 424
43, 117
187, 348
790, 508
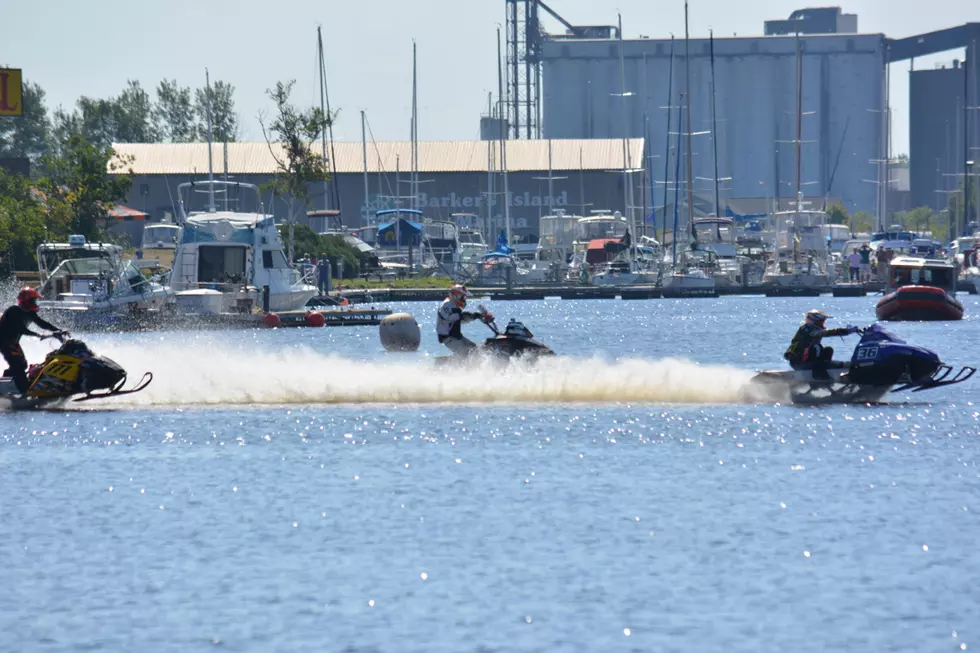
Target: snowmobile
515, 341
67, 372
881, 363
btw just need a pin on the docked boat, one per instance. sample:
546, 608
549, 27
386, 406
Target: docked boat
802, 261
920, 289
226, 259
553, 252
90, 284
717, 248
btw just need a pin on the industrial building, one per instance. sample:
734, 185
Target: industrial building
590, 83
457, 180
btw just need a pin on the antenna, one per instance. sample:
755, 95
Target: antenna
207, 81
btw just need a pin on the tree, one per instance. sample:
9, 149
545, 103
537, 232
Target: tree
64, 126
24, 222
99, 120
174, 113
224, 120
27, 136
297, 165
863, 222
837, 214
134, 115
82, 179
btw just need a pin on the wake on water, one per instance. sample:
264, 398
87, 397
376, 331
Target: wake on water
217, 374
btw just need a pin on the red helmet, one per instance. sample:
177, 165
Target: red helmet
458, 294
27, 299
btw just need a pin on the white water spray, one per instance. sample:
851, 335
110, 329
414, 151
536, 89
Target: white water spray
207, 373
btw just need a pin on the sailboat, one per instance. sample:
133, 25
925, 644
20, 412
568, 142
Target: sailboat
686, 279
802, 259
626, 266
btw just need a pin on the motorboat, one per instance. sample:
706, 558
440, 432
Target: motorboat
688, 279
227, 259
86, 284
555, 246
801, 264
920, 289
472, 245
717, 249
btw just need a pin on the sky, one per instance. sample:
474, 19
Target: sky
91, 48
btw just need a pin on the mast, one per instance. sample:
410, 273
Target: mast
670, 98
503, 143
799, 125
714, 121
490, 141
690, 151
323, 109
415, 130
211, 209
677, 198
367, 190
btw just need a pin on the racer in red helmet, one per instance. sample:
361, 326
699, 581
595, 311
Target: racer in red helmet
14, 324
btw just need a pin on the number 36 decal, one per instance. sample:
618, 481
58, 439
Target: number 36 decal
867, 353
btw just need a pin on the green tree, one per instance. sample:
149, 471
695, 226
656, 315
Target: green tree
309, 243
134, 115
27, 136
837, 214
23, 222
174, 112
863, 222
224, 120
84, 178
955, 202
297, 165
99, 120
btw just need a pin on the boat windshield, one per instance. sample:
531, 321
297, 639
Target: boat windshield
936, 277
591, 229
471, 237
160, 235
715, 232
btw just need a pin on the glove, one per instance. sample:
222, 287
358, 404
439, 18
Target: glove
487, 317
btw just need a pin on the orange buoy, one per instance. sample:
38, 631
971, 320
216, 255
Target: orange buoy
271, 320
344, 302
315, 319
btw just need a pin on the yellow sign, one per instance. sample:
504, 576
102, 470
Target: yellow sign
11, 96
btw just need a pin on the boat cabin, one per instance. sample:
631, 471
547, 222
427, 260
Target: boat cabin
78, 270
910, 271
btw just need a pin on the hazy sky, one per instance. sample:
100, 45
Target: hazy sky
73, 48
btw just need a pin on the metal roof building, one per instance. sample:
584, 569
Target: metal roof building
434, 156
457, 180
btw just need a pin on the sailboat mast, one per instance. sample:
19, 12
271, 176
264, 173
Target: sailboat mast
670, 99
799, 124
367, 190
415, 130
690, 152
503, 141
323, 110
714, 122
211, 209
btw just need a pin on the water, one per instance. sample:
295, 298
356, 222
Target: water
301, 490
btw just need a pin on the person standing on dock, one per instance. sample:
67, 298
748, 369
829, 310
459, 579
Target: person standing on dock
323, 274
865, 252
854, 263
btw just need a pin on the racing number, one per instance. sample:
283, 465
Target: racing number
867, 353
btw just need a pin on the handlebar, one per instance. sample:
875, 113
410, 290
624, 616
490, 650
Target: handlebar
60, 336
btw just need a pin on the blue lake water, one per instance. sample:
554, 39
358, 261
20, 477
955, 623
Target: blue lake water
301, 490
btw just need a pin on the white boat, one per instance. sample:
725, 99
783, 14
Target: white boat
802, 261
472, 246
716, 245
553, 252
235, 253
688, 281
85, 283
